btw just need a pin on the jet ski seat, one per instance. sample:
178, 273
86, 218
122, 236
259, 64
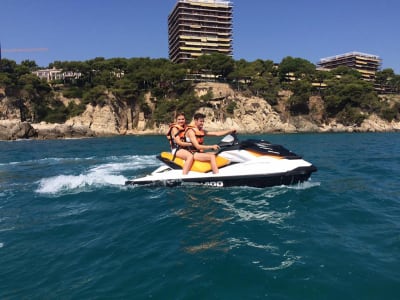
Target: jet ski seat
198, 166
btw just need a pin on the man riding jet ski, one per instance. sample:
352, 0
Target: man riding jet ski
187, 142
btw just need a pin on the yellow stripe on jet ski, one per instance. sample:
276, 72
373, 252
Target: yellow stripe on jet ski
198, 166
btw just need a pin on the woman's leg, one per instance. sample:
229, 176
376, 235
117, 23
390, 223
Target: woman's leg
188, 158
213, 162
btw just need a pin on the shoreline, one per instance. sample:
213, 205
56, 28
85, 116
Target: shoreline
15, 130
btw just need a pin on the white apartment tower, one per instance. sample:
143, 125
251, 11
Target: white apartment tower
197, 27
366, 64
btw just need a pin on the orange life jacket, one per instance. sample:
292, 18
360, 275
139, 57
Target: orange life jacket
180, 134
200, 134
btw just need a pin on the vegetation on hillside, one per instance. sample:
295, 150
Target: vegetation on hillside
345, 95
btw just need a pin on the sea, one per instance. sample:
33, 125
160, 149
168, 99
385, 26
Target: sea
71, 229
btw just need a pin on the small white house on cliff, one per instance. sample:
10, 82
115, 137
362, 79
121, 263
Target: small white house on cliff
56, 74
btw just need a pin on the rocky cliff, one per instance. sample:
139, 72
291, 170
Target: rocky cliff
249, 115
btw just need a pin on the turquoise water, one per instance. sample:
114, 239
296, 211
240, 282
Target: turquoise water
70, 229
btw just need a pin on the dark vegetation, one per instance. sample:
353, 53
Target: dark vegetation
345, 95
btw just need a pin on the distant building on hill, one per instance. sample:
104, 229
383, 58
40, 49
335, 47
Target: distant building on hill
197, 27
366, 64
56, 74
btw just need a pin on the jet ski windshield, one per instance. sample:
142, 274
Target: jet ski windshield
228, 140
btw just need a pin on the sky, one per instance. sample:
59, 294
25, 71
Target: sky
79, 30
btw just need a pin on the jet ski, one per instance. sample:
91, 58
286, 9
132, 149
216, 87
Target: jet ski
252, 162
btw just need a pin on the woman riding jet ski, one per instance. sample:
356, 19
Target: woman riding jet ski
187, 142
255, 163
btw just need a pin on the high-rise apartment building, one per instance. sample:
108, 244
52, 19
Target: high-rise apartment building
197, 27
366, 64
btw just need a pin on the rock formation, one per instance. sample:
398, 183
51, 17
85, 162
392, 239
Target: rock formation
249, 115
56, 131
15, 129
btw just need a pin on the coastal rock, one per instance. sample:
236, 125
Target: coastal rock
303, 124
56, 131
8, 111
113, 118
251, 115
100, 119
218, 90
376, 124
15, 129
142, 122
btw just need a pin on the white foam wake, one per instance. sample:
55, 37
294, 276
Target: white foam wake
255, 211
54, 185
304, 185
107, 174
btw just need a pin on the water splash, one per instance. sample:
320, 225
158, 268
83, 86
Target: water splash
289, 259
282, 261
237, 243
257, 212
304, 185
106, 174
54, 185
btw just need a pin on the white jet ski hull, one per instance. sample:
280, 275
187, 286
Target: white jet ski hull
260, 172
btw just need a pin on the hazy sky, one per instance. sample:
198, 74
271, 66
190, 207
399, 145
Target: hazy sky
310, 29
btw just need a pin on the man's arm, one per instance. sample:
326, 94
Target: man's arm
192, 136
220, 133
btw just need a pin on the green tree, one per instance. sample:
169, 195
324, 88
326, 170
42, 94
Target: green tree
126, 89
386, 80
298, 102
241, 74
395, 84
351, 116
8, 66
215, 63
96, 96
349, 91
298, 66
346, 71
321, 77
30, 64
5, 80
266, 86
